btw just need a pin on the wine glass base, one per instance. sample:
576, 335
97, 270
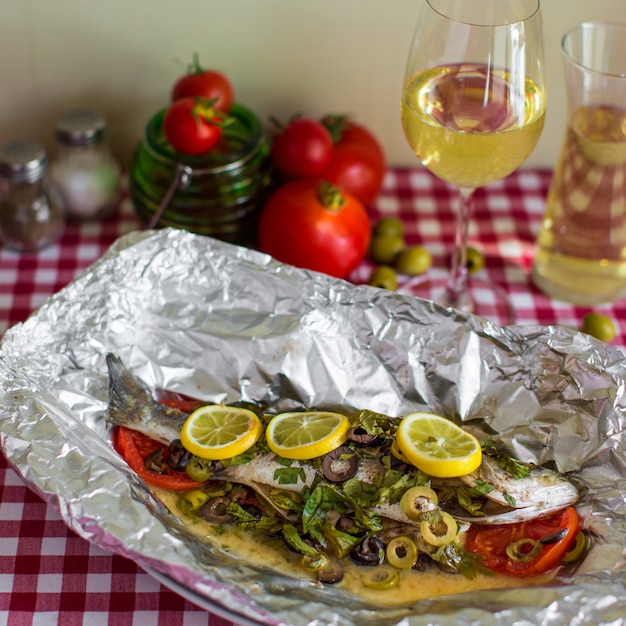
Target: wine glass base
485, 299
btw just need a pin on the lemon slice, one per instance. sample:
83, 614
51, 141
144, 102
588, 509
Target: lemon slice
218, 432
306, 435
438, 446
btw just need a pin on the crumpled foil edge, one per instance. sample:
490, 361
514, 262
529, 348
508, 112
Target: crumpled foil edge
216, 321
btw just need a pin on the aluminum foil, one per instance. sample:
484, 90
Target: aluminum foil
223, 323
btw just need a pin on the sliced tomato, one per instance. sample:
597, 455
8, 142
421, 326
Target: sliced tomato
554, 536
134, 447
178, 401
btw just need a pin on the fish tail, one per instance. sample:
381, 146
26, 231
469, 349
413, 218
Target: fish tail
132, 404
127, 395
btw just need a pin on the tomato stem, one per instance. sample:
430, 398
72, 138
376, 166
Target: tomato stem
195, 67
335, 124
280, 126
204, 109
330, 197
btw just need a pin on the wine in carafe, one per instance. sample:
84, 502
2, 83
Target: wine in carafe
581, 248
580, 255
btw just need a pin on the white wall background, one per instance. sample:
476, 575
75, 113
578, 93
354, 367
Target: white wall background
282, 56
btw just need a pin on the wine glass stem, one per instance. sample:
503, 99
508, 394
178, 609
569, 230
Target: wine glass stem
456, 294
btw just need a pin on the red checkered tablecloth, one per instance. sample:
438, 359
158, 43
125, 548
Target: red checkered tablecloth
48, 575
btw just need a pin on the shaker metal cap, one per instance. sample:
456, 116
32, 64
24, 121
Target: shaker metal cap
81, 127
23, 160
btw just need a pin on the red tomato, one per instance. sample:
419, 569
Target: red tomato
192, 126
178, 400
312, 225
491, 543
302, 149
134, 447
209, 84
358, 161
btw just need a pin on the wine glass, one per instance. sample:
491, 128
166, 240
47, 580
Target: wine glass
473, 108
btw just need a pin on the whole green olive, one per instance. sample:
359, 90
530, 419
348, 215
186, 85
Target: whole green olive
385, 277
385, 248
599, 326
388, 227
413, 261
475, 260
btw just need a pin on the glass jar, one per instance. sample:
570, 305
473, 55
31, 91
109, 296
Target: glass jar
85, 171
219, 194
31, 216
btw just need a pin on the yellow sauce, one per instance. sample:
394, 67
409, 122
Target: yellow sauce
413, 585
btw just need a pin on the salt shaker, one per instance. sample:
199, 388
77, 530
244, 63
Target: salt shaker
31, 215
85, 171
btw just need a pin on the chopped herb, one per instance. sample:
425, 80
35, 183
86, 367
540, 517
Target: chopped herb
268, 525
394, 484
321, 500
290, 533
289, 475
470, 498
432, 517
482, 487
240, 514
510, 499
358, 495
287, 501
342, 543
373, 423
240, 459
452, 555
360, 492
515, 468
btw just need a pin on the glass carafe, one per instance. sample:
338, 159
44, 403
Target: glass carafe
580, 254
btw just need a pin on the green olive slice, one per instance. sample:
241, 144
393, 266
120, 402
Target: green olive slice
402, 552
381, 578
578, 549
523, 550
439, 528
412, 501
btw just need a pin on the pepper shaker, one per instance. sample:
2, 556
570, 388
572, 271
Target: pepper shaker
85, 171
31, 215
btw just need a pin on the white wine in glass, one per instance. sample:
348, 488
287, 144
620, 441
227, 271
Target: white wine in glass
473, 108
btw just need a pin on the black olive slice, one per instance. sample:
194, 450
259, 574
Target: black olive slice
215, 510
360, 437
155, 461
331, 574
340, 464
371, 551
178, 457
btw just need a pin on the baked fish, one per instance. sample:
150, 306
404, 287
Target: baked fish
364, 493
